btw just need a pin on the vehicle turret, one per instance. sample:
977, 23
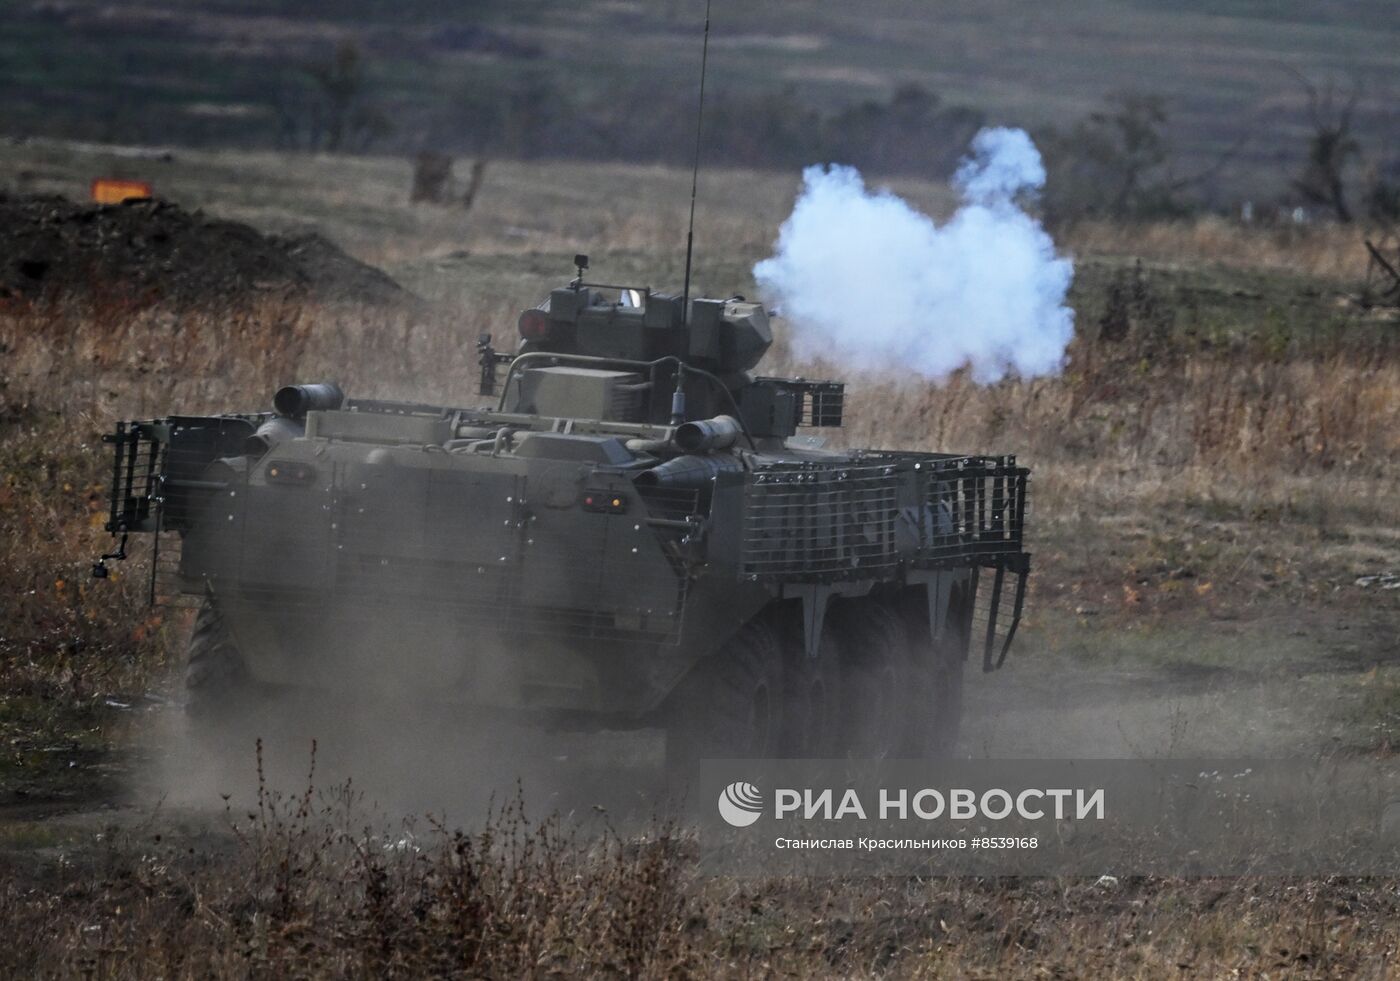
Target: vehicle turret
634, 354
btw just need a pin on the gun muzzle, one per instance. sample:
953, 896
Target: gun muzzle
704, 435
688, 471
295, 401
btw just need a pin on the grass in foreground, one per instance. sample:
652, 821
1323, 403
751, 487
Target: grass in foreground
307, 885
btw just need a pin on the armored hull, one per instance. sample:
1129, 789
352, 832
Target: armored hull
587, 552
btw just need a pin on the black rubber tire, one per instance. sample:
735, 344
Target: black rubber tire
948, 687
876, 667
815, 699
216, 678
731, 706
936, 688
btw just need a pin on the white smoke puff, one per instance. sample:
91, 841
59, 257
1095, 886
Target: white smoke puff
866, 279
1004, 163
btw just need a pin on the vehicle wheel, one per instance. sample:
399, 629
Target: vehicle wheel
875, 673
936, 688
731, 707
216, 679
814, 698
948, 689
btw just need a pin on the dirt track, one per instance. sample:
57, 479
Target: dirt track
1311, 700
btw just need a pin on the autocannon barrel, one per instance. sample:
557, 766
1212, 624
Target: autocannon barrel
295, 401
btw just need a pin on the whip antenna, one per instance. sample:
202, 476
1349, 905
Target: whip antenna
695, 169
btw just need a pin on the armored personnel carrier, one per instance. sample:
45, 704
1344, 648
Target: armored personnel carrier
627, 532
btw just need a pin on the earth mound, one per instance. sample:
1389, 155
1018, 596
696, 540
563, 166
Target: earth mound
152, 251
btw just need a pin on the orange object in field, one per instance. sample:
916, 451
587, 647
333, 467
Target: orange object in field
106, 190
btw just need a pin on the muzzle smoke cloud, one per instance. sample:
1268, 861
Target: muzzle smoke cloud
866, 279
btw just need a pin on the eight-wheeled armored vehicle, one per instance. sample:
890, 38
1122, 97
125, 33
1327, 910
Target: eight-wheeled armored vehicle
628, 533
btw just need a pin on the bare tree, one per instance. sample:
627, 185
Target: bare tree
1136, 148
432, 172
325, 104
1116, 161
478, 174
342, 80
1331, 148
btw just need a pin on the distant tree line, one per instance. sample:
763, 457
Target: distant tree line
332, 105
1116, 162
912, 132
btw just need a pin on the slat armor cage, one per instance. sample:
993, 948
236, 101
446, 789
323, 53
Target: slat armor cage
822, 522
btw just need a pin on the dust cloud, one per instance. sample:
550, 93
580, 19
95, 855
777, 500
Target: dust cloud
404, 749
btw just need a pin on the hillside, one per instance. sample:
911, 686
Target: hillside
175, 72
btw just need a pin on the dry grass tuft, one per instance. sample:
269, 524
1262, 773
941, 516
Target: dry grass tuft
1320, 250
306, 884
130, 360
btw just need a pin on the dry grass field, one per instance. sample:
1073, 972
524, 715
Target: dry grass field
1210, 491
